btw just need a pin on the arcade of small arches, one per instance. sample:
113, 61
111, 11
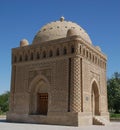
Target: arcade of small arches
59, 51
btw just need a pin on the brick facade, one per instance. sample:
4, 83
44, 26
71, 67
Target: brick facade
69, 69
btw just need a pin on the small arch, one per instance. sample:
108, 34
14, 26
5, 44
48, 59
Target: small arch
26, 57
93, 58
57, 52
50, 53
80, 49
38, 55
44, 54
31, 56
72, 49
98, 61
87, 53
90, 55
20, 58
64, 51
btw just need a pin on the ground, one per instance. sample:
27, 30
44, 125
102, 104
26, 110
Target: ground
24, 126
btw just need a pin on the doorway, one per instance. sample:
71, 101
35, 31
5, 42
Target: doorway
42, 103
95, 99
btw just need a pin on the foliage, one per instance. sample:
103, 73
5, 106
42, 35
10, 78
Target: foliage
113, 87
114, 115
4, 102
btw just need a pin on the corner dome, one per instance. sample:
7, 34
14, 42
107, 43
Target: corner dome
24, 42
72, 32
59, 29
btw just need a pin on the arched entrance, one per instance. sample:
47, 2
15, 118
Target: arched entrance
39, 96
95, 99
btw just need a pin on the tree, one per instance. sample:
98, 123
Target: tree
4, 102
113, 87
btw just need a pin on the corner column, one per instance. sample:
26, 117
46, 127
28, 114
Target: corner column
12, 90
75, 98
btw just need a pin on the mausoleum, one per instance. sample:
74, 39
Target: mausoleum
59, 79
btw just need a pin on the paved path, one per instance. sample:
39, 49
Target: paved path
24, 126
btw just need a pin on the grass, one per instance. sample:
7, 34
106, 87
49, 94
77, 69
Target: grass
115, 115
2, 113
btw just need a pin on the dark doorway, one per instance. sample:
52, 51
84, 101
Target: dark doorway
42, 103
95, 99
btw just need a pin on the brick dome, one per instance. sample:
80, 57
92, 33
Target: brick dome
59, 29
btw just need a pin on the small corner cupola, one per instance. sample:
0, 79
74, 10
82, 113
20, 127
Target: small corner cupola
24, 42
62, 19
72, 32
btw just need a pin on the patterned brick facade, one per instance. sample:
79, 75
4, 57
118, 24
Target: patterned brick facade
59, 79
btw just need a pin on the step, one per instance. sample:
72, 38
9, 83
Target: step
98, 120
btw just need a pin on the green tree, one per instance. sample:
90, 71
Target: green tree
4, 102
113, 87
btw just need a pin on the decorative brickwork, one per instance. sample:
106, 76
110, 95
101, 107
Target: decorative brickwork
75, 85
59, 79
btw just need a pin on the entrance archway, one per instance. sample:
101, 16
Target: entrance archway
95, 99
39, 96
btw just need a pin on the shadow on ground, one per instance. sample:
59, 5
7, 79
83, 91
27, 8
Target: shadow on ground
3, 120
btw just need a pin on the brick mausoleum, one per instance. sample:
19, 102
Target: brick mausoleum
59, 79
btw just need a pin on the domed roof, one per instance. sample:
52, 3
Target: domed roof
59, 29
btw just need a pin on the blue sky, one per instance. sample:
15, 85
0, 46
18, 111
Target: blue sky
23, 18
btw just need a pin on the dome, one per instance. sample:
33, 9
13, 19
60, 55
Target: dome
23, 43
60, 29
